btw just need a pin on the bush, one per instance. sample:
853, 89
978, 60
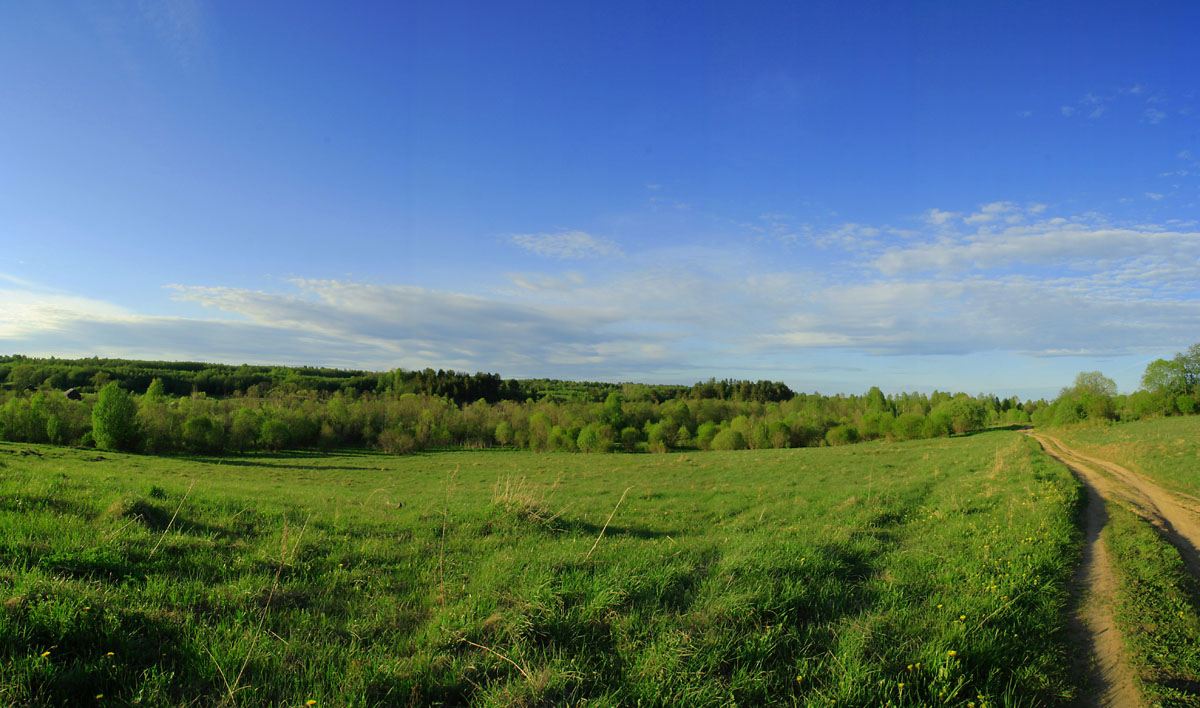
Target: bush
842, 435
114, 419
1186, 404
705, 434
630, 438
908, 426
396, 442
728, 439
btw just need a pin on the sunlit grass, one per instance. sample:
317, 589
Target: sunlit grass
924, 573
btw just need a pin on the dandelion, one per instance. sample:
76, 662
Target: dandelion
109, 654
901, 685
99, 696
310, 702
45, 654
962, 617
952, 653
939, 607
800, 679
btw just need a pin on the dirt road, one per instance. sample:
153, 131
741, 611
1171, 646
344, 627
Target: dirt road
1176, 515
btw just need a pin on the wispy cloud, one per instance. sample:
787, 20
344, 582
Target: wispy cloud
566, 244
962, 282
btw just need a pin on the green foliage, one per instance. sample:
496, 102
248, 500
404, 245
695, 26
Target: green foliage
503, 433
114, 419
613, 413
399, 414
728, 439
155, 390
908, 426
842, 435
630, 438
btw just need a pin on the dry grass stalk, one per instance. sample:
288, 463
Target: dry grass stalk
172, 521
606, 523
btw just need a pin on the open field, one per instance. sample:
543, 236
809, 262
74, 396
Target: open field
1167, 450
922, 573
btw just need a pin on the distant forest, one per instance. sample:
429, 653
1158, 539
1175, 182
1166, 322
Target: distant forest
196, 408
184, 378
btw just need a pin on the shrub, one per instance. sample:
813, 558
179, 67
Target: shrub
114, 419
728, 439
630, 438
842, 435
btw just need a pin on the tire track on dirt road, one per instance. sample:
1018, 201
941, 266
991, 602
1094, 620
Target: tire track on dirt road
1175, 515
1093, 625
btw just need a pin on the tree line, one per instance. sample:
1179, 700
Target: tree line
726, 415
20, 373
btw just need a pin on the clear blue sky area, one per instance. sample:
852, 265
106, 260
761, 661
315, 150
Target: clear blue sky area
978, 196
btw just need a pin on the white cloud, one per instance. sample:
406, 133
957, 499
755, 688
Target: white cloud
1155, 196
1055, 242
937, 217
990, 212
1153, 116
1048, 285
1068, 111
566, 245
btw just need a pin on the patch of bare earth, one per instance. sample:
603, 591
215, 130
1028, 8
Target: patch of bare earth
1176, 516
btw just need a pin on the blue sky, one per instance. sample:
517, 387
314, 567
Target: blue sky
983, 196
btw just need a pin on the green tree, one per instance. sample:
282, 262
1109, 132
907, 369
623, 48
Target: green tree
114, 419
503, 433
1093, 383
614, 413
155, 391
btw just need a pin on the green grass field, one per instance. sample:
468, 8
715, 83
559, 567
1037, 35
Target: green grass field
922, 573
1167, 450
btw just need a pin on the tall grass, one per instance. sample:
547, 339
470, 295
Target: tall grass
923, 573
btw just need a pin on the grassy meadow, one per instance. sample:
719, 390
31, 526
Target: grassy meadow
906, 574
1167, 450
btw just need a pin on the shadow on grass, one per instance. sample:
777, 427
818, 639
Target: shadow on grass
102, 650
1015, 427
259, 463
